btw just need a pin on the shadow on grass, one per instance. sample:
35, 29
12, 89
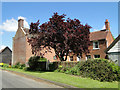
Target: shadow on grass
42, 71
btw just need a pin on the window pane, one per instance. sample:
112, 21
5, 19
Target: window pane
95, 45
96, 56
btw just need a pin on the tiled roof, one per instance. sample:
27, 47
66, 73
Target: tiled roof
98, 35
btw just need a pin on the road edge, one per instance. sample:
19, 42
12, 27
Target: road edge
38, 78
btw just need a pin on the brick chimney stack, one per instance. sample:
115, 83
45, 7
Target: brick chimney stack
107, 25
20, 23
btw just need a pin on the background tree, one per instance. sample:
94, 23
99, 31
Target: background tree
60, 35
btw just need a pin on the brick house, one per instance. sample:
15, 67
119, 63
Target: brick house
100, 40
21, 49
6, 55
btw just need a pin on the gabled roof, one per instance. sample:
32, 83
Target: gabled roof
98, 35
113, 43
4, 49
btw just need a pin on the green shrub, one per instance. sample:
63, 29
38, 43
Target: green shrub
42, 59
97, 69
27, 68
17, 65
22, 66
37, 64
100, 69
13, 66
53, 66
6, 65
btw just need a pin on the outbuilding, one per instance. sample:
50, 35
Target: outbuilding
113, 51
6, 55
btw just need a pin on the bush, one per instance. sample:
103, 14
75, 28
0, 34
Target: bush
53, 66
6, 65
13, 66
17, 65
97, 69
27, 68
22, 66
100, 69
37, 63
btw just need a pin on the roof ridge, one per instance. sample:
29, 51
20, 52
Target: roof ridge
98, 31
4, 49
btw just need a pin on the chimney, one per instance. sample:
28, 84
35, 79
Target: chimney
107, 25
20, 23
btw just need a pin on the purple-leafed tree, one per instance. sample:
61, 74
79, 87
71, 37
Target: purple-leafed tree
60, 35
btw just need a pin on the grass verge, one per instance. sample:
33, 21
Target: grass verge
76, 81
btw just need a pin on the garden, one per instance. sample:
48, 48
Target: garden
97, 73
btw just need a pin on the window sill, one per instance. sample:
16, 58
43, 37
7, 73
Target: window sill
95, 48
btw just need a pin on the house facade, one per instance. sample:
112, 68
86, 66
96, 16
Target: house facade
6, 55
99, 41
22, 51
113, 51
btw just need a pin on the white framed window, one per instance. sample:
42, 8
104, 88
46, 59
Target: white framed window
96, 56
78, 58
95, 45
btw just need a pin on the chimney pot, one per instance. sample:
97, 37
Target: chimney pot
107, 25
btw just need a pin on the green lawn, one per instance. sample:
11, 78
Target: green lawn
70, 79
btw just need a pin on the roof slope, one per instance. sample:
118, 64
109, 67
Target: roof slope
113, 43
4, 49
98, 35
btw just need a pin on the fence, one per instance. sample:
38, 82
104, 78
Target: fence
68, 64
54, 65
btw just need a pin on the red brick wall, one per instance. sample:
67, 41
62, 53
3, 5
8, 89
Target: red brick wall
19, 47
48, 55
92, 52
28, 50
109, 38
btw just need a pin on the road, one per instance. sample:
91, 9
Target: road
11, 80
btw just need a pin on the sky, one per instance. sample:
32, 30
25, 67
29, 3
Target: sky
92, 13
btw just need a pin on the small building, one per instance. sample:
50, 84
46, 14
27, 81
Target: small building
113, 51
6, 55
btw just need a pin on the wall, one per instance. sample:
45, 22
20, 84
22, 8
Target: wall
6, 56
100, 51
115, 48
19, 47
114, 56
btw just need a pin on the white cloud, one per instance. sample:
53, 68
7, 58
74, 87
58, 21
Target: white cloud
100, 29
95, 29
2, 47
20, 17
103, 27
12, 24
1, 32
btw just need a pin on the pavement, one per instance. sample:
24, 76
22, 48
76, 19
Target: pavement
11, 80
